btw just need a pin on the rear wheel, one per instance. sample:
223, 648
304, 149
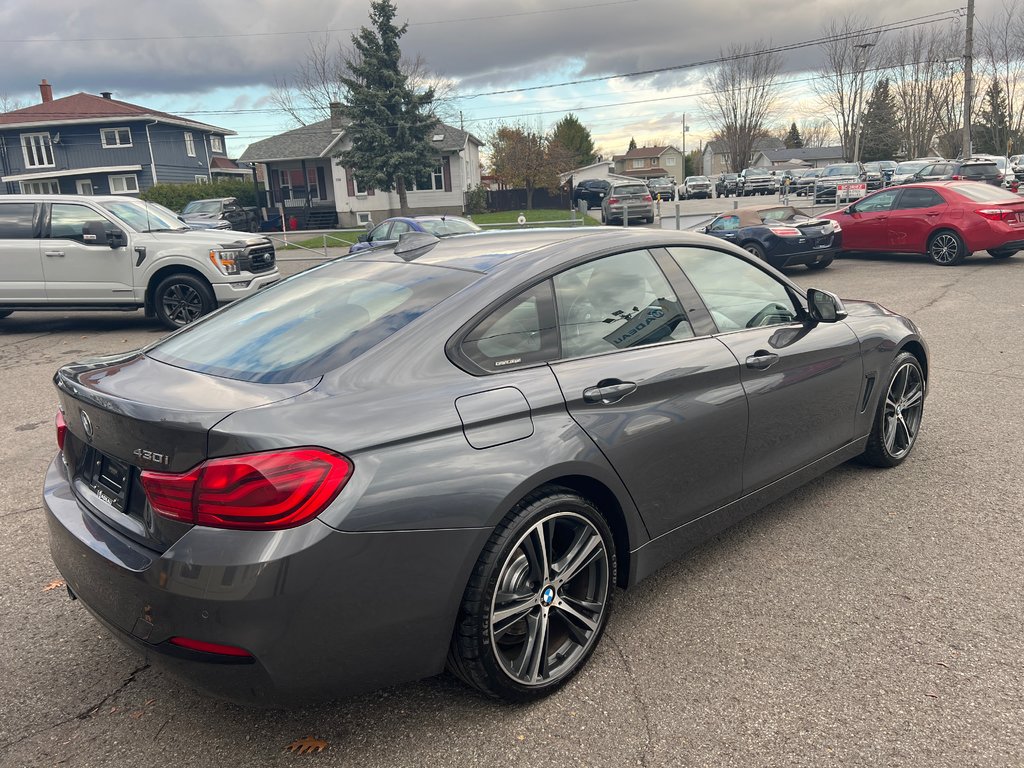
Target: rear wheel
898, 418
946, 248
538, 599
1001, 254
754, 249
182, 298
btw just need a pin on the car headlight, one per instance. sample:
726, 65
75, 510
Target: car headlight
226, 259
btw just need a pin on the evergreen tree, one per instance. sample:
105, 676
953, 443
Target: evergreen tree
880, 134
390, 122
992, 131
575, 138
632, 144
793, 140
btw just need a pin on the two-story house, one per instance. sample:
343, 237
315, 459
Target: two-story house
85, 144
650, 163
307, 181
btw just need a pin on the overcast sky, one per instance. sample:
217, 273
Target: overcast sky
217, 61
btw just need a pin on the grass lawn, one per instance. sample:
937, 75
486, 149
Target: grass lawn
537, 214
341, 238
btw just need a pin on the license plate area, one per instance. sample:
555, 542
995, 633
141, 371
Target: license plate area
107, 477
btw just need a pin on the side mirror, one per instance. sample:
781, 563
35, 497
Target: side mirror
703, 229
825, 307
116, 239
364, 237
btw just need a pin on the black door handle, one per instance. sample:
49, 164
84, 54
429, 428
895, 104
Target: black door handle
608, 391
762, 359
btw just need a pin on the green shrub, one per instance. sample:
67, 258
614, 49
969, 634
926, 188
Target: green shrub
476, 200
175, 196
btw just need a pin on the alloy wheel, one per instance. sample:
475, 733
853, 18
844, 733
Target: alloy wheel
904, 404
945, 248
550, 599
182, 303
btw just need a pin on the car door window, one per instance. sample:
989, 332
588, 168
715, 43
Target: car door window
17, 221
737, 293
617, 302
880, 202
725, 224
399, 228
380, 232
919, 198
518, 333
67, 221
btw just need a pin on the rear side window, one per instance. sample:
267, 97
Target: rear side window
312, 323
518, 333
17, 221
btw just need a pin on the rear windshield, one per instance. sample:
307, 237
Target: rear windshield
631, 189
312, 323
979, 169
442, 227
985, 193
847, 169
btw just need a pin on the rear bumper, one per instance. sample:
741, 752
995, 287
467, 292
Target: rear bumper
796, 255
324, 613
637, 211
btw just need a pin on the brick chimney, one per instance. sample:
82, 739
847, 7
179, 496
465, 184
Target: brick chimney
45, 91
337, 120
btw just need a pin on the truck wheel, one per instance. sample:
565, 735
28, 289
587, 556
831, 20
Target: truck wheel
181, 298
254, 227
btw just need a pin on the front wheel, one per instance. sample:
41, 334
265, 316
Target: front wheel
181, 298
1002, 254
538, 599
946, 249
898, 417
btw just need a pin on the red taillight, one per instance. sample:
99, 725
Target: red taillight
998, 214
613, 200
786, 231
957, 178
205, 647
62, 429
257, 491
648, 198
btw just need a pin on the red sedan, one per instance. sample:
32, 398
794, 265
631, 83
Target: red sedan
947, 220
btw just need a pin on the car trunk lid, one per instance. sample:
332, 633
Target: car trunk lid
131, 413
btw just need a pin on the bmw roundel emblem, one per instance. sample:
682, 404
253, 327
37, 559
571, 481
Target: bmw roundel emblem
547, 597
87, 424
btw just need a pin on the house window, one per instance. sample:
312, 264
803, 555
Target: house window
124, 185
217, 143
430, 182
293, 187
638, 163
356, 189
670, 161
190, 145
363, 218
654, 162
40, 187
37, 150
202, 179
116, 137
84, 186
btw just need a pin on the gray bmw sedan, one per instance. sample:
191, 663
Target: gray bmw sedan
452, 452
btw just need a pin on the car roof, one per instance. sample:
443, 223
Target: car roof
66, 198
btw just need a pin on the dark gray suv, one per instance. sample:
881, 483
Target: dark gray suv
452, 452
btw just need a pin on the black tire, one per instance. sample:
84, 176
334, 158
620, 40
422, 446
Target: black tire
755, 249
486, 660
893, 435
181, 298
1001, 254
5, 313
946, 248
254, 226
823, 262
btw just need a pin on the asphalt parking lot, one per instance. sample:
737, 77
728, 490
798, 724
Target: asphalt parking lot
872, 618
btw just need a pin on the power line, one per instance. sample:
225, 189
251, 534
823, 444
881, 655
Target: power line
329, 30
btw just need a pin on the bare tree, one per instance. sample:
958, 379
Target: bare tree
918, 62
841, 85
1002, 61
744, 99
316, 83
817, 133
8, 104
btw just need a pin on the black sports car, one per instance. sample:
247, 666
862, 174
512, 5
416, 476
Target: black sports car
782, 235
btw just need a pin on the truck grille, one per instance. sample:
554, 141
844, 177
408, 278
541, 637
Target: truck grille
259, 259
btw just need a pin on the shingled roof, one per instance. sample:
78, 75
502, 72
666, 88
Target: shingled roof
316, 139
79, 107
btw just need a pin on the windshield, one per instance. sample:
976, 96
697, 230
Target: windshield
145, 217
699, 179
202, 206
755, 172
912, 167
311, 323
443, 227
844, 169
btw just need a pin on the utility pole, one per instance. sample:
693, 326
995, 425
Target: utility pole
685, 129
859, 112
968, 80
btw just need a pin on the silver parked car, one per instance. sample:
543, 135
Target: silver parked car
627, 199
451, 452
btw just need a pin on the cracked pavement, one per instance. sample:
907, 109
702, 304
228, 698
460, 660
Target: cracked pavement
871, 618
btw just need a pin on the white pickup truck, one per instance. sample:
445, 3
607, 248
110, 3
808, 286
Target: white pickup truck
70, 252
